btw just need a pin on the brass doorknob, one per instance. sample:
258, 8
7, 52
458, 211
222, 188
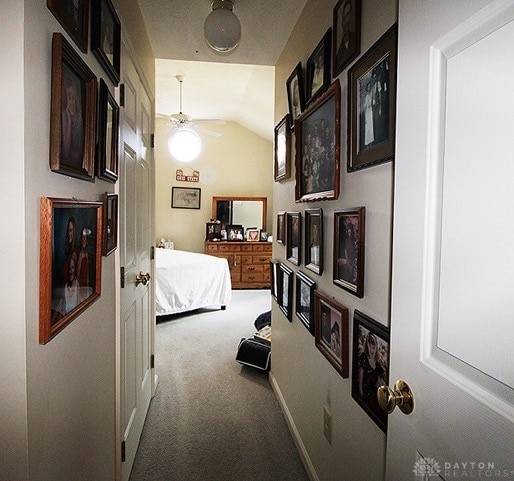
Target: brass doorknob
142, 278
400, 395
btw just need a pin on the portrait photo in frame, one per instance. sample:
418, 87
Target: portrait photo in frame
72, 113
370, 365
286, 291
305, 288
346, 34
110, 223
108, 132
295, 93
281, 227
317, 148
185, 197
331, 333
314, 240
319, 73
235, 232
106, 37
282, 165
74, 18
349, 248
274, 266
294, 237
372, 104
70, 261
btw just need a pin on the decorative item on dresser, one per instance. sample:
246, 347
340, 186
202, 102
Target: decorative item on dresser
248, 262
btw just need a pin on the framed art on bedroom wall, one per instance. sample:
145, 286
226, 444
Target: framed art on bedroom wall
74, 17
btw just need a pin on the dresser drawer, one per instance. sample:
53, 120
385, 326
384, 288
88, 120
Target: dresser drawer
262, 259
248, 268
252, 276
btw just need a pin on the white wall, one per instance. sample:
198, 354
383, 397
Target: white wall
239, 163
303, 378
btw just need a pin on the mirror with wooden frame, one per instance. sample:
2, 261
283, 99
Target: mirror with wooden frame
246, 211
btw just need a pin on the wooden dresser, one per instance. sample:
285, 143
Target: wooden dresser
248, 262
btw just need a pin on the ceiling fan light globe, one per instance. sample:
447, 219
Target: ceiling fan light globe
222, 30
184, 145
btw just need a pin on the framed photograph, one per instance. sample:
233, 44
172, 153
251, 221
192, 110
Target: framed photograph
70, 262
370, 365
331, 332
283, 149
235, 232
294, 237
347, 33
274, 266
106, 37
281, 227
110, 223
74, 18
213, 231
252, 234
108, 130
72, 113
349, 235
319, 73
295, 93
314, 240
305, 288
286, 291
372, 104
185, 197
264, 235
317, 148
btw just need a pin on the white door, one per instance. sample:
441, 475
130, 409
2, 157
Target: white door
136, 228
452, 323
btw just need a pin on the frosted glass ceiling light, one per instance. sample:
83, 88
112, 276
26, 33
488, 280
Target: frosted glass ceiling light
184, 144
222, 28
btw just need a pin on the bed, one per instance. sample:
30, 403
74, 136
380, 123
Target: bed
187, 280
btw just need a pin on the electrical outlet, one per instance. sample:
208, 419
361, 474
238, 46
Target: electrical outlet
327, 425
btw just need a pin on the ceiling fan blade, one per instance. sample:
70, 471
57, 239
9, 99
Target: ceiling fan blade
203, 130
209, 121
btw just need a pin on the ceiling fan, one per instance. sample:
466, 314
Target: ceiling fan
181, 119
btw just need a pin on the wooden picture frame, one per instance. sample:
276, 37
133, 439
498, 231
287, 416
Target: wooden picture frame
70, 261
294, 237
372, 104
74, 18
252, 234
317, 148
282, 160
106, 37
110, 223
274, 278
295, 94
319, 73
347, 34
281, 227
235, 232
108, 134
331, 333
286, 291
370, 365
72, 113
349, 249
185, 197
305, 288
314, 240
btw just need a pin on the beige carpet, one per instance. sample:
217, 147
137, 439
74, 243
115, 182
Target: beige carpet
213, 419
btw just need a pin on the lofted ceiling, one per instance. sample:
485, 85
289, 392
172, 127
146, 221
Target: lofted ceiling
237, 86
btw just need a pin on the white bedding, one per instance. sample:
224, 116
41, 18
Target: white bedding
187, 281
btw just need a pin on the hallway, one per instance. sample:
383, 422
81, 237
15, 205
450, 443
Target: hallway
211, 418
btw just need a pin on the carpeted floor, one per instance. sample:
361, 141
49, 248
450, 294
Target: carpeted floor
213, 419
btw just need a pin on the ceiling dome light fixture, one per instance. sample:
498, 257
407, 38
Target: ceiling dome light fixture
222, 28
184, 144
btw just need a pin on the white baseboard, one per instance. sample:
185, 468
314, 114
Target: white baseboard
306, 460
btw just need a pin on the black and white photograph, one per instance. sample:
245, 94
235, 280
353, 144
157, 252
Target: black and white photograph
347, 33
305, 288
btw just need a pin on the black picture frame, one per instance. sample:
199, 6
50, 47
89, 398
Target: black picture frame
370, 365
108, 135
281, 227
110, 223
286, 287
72, 113
282, 149
74, 18
106, 37
314, 240
305, 288
186, 197
235, 232
274, 278
346, 34
372, 104
294, 237
319, 73
317, 135
295, 94
349, 250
